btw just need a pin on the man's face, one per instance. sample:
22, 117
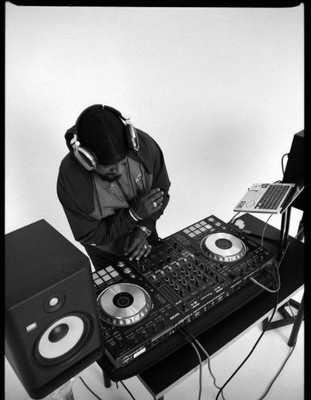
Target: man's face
111, 172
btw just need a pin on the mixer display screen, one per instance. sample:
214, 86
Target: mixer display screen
184, 276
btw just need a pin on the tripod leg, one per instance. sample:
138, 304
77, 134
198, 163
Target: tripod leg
293, 336
300, 232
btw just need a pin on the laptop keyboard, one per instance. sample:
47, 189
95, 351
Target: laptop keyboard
272, 197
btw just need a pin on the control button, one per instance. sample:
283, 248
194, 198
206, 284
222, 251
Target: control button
121, 264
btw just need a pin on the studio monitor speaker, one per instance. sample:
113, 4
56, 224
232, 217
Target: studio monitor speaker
52, 329
294, 171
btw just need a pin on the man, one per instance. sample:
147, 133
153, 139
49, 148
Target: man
113, 186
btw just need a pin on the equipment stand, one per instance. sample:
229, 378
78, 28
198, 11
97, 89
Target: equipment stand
287, 318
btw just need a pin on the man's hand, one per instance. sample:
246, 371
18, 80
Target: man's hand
148, 204
136, 245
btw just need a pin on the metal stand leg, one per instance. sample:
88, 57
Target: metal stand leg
107, 380
299, 318
287, 318
284, 232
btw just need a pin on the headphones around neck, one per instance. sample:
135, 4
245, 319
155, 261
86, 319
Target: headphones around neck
85, 156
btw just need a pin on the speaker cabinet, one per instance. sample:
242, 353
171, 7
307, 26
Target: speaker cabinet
52, 328
294, 171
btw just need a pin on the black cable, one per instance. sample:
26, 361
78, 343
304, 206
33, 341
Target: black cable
208, 359
278, 373
99, 397
278, 280
234, 217
255, 345
184, 333
200, 372
127, 390
263, 231
89, 388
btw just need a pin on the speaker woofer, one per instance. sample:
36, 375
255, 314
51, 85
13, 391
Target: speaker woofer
62, 339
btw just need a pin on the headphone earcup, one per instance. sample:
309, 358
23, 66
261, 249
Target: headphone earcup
85, 157
132, 137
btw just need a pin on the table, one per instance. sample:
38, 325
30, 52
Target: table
160, 373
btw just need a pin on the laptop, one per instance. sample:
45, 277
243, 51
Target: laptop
272, 198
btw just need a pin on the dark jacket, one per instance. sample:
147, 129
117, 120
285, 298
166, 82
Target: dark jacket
75, 190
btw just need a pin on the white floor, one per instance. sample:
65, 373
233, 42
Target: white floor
248, 384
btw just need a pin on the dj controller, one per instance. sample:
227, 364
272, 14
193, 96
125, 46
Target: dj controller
185, 275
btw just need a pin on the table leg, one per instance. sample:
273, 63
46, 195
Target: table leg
107, 380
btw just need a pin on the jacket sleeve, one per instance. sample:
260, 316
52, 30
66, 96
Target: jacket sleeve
75, 192
152, 157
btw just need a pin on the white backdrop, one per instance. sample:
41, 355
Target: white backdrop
220, 89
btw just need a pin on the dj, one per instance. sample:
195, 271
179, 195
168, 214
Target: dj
113, 186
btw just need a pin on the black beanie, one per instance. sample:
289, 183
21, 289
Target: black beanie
103, 132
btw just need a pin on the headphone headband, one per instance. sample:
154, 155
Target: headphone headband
85, 156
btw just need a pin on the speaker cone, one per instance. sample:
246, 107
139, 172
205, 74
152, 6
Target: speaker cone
62, 338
